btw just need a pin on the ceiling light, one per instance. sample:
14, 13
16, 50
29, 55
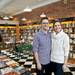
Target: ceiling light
42, 15
23, 19
11, 16
27, 9
39, 0
5, 17
65, 1
50, 18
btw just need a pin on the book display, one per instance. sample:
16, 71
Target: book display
69, 28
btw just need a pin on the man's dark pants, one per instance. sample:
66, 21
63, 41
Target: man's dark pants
44, 71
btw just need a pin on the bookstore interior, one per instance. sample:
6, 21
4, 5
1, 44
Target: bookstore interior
20, 20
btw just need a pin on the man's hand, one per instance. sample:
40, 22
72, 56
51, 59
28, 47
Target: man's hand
39, 67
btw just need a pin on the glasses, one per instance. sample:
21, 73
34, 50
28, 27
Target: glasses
45, 22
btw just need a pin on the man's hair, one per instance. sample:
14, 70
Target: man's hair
43, 19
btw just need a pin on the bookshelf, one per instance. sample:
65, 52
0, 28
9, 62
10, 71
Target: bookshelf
7, 30
69, 28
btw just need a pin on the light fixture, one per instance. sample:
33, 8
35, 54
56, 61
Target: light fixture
11, 17
42, 15
5, 17
27, 9
50, 18
23, 19
39, 0
65, 1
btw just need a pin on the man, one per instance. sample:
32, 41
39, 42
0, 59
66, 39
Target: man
60, 49
42, 47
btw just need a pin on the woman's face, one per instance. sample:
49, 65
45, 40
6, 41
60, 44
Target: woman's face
57, 27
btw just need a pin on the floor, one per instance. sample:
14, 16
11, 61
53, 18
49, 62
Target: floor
27, 61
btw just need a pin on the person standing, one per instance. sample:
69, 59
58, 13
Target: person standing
60, 49
42, 48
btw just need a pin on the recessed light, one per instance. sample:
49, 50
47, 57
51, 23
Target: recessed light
27, 9
40, 0
5, 17
11, 16
42, 15
23, 19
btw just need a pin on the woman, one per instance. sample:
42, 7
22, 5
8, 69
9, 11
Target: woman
60, 49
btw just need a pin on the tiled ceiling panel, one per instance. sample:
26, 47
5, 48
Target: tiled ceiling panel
12, 7
54, 10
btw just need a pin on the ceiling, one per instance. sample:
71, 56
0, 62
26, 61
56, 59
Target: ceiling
52, 8
58, 9
13, 7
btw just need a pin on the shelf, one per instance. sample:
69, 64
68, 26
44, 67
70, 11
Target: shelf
72, 38
72, 27
69, 28
72, 43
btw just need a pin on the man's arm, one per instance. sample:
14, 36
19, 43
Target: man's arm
35, 51
37, 60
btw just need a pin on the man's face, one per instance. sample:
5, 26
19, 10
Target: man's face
45, 23
57, 27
